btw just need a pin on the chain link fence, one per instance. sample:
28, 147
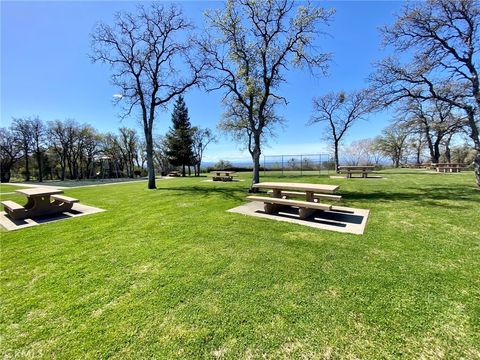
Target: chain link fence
297, 165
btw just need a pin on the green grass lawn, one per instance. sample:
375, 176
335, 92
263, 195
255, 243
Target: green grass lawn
168, 273
4, 188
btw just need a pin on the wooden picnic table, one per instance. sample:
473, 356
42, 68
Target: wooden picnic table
448, 167
39, 203
311, 192
351, 169
218, 175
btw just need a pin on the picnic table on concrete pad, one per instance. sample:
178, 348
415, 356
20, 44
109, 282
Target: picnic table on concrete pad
222, 175
348, 170
448, 167
274, 203
39, 203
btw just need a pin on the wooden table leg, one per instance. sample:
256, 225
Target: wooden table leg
277, 193
306, 212
274, 208
310, 196
42, 205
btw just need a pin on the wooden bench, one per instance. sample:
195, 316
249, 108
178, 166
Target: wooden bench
65, 199
173, 173
449, 169
222, 178
350, 172
305, 208
317, 196
218, 175
13, 209
40, 202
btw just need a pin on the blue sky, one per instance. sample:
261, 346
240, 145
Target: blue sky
45, 71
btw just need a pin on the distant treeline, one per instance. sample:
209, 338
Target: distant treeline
31, 149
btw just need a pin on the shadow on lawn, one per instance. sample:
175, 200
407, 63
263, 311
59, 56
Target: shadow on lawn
419, 195
227, 193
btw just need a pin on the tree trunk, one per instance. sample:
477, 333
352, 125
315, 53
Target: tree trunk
255, 153
476, 167
5, 172
448, 156
63, 165
335, 145
189, 171
27, 170
256, 169
418, 155
183, 170
40, 166
436, 152
150, 165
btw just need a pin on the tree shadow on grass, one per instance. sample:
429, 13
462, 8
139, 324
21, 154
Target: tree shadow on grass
419, 195
203, 191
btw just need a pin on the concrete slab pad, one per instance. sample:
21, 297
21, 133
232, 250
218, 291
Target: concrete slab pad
340, 218
77, 210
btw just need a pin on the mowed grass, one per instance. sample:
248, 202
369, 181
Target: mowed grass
168, 273
5, 188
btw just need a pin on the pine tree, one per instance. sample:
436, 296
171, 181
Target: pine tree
179, 138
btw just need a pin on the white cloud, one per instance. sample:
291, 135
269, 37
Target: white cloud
117, 96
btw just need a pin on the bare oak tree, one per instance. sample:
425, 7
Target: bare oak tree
22, 130
340, 111
201, 139
10, 153
151, 55
39, 142
250, 45
392, 143
435, 120
444, 37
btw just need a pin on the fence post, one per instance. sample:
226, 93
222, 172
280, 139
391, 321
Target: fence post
282, 165
301, 165
319, 164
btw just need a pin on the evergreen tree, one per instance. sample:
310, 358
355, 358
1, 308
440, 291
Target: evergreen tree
179, 138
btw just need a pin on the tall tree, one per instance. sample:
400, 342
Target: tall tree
10, 153
128, 146
250, 45
59, 133
433, 119
23, 131
152, 57
38, 141
392, 143
161, 158
340, 111
179, 139
201, 139
444, 38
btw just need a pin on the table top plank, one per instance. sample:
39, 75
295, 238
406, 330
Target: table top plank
39, 191
322, 188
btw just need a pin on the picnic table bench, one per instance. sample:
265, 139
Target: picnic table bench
448, 167
281, 191
218, 175
39, 203
173, 173
357, 169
